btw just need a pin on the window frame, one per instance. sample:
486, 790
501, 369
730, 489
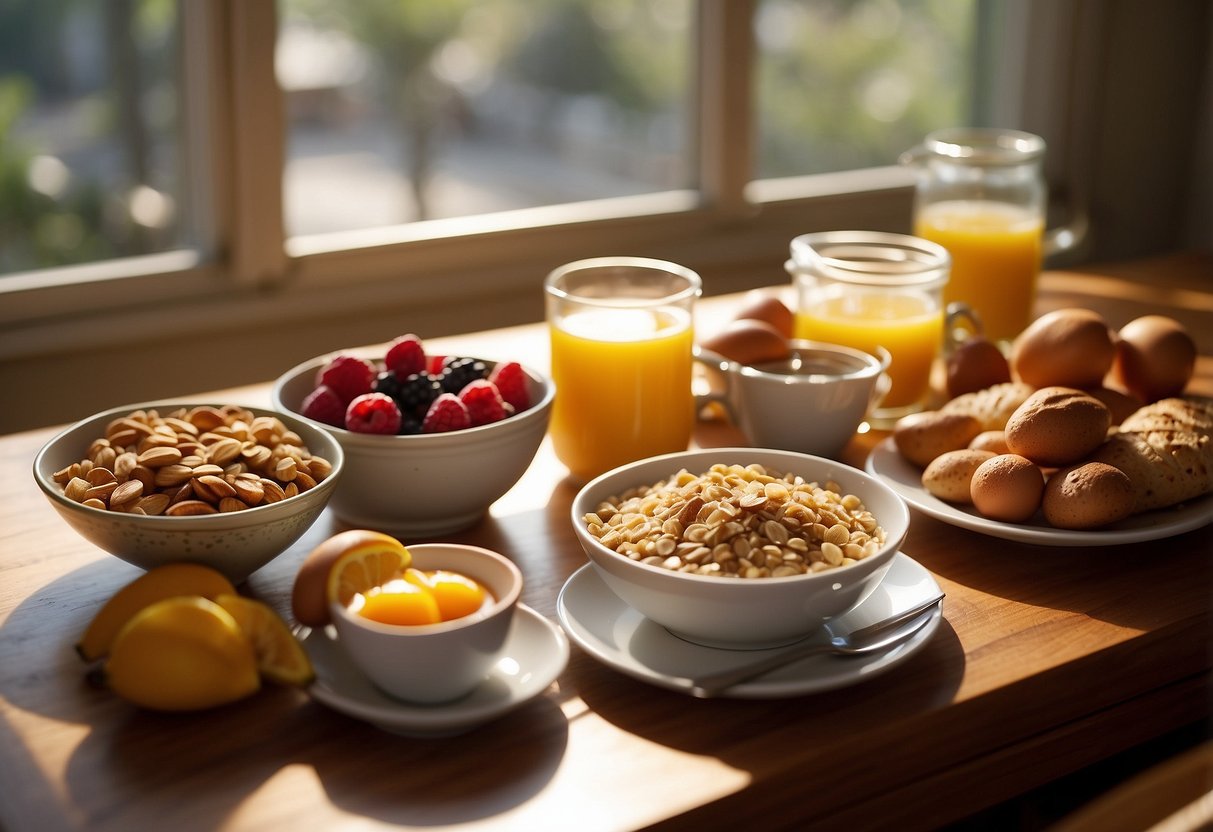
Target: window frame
247, 272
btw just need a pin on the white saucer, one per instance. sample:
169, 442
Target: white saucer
906, 479
620, 637
536, 653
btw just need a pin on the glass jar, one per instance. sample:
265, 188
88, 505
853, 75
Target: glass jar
981, 195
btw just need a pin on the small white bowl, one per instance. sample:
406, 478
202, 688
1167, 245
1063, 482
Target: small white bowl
435, 663
426, 484
236, 543
731, 612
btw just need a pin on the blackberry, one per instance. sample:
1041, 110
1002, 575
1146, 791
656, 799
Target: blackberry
417, 393
388, 384
410, 425
458, 373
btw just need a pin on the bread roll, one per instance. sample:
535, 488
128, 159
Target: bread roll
991, 440
920, 437
1057, 426
950, 474
991, 407
1087, 496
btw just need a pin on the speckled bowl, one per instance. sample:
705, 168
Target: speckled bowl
236, 543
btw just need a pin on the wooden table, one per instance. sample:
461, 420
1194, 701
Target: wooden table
1048, 660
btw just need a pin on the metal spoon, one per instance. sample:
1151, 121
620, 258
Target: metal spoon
870, 639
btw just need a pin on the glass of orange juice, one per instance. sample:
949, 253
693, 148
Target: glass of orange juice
869, 289
981, 195
621, 339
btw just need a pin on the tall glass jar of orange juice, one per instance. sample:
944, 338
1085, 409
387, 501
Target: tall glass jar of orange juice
981, 195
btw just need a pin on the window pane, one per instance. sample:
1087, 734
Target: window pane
845, 84
403, 110
89, 149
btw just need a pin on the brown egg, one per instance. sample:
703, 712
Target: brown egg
1007, 487
1155, 357
975, 365
1064, 348
309, 596
749, 341
761, 305
949, 476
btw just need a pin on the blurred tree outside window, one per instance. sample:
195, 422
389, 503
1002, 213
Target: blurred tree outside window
89, 144
407, 110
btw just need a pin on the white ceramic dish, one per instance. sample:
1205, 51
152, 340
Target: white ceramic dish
425, 485
733, 612
904, 478
536, 653
620, 637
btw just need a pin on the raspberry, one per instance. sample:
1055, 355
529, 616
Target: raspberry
434, 364
484, 402
373, 413
348, 375
445, 414
324, 405
511, 381
405, 356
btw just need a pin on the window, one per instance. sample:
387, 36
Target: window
177, 167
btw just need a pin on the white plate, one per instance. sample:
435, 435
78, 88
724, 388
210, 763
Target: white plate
536, 653
620, 637
906, 479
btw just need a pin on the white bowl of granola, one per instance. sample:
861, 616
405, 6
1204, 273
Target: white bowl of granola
740, 548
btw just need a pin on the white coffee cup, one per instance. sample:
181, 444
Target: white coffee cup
811, 402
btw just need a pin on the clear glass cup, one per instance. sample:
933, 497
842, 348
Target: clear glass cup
870, 289
621, 339
981, 195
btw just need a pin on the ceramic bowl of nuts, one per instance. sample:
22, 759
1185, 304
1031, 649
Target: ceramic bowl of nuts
430, 441
224, 485
740, 548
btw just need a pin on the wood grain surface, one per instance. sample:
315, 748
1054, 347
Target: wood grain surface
1048, 659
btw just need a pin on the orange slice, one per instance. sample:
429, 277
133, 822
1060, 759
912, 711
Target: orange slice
280, 658
168, 581
360, 570
310, 596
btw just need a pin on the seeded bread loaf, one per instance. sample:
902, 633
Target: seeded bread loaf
993, 406
1166, 449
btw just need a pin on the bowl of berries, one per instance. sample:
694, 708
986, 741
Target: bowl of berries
430, 441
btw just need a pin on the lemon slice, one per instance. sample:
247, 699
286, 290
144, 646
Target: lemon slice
168, 581
280, 657
182, 654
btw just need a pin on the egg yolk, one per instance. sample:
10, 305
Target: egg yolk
400, 602
456, 595
421, 598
